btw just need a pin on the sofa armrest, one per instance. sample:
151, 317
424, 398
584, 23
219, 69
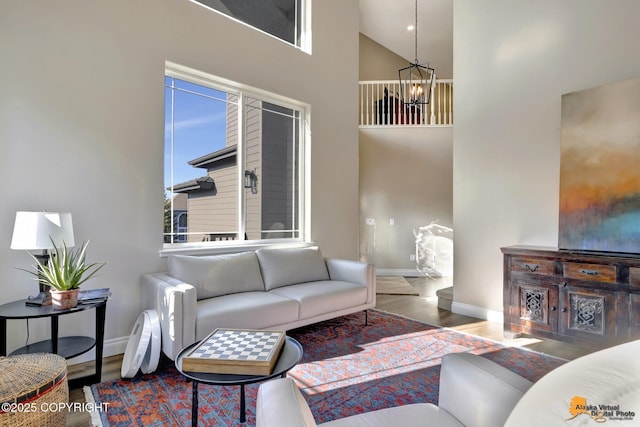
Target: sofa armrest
478, 391
280, 404
354, 272
175, 303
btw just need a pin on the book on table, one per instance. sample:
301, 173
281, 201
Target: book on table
236, 351
86, 296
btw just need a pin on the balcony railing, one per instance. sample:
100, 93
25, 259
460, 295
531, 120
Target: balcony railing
380, 105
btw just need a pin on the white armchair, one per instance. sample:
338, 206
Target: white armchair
474, 392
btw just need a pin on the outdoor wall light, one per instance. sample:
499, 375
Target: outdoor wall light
251, 181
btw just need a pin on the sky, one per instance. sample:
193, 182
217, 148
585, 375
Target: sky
199, 127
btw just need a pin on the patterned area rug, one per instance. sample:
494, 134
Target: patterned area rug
347, 368
394, 285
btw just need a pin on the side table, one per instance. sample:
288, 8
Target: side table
289, 357
66, 347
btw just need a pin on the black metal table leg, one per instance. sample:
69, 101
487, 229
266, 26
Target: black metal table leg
54, 334
3, 337
101, 312
243, 415
194, 404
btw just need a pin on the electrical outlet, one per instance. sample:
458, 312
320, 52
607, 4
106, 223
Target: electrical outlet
371, 221
392, 221
412, 257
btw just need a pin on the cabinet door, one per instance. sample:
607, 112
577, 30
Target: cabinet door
588, 313
534, 306
634, 316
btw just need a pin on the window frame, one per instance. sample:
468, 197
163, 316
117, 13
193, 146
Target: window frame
304, 42
244, 91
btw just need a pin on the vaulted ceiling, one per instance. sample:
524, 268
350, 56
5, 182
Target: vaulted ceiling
386, 21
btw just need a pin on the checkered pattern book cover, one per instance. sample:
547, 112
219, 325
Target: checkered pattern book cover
231, 351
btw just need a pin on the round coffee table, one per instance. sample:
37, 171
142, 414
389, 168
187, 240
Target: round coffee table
289, 357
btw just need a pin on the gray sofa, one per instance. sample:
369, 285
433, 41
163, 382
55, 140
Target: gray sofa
271, 288
474, 392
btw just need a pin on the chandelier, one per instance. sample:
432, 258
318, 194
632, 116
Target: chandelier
416, 80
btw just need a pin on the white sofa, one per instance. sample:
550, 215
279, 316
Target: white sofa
474, 392
270, 288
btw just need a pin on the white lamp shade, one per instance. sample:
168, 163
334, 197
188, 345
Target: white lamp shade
35, 230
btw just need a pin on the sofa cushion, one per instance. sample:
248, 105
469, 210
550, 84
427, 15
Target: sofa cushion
322, 297
248, 310
413, 414
288, 266
218, 275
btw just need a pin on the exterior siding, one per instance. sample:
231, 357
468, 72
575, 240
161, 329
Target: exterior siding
214, 211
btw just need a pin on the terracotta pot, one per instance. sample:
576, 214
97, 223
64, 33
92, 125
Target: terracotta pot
64, 300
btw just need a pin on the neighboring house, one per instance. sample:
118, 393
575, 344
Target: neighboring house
270, 205
180, 217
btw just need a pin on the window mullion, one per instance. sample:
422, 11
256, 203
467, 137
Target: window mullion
240, 161
171, 194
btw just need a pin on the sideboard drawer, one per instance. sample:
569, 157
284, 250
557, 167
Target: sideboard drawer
532, 265
591, 272
634, 277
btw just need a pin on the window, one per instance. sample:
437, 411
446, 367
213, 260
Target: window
284, 19
232, 168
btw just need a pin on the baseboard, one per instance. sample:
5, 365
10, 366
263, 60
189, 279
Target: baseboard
477, 312
406, 272
111, 348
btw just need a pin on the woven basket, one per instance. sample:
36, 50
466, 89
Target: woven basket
33, 390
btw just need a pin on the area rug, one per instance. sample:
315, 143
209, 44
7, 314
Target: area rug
347, 368
394, 285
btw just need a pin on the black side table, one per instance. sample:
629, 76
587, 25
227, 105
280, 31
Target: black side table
66, 347
289, 357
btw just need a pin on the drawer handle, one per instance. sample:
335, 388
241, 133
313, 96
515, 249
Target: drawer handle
532, 267
589, 272
553, 308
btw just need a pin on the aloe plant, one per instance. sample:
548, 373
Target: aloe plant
67, 268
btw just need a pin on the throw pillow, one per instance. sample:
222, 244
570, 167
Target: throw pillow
217, 275
288, 266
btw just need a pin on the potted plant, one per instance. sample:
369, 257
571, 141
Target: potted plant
65, 271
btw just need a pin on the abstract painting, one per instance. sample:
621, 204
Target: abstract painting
600, 169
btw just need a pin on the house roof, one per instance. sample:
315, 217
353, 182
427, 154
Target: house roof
197, 184
208, 159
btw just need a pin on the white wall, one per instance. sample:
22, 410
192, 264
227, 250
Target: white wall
82, 127
512, 63
405, 175
377, 62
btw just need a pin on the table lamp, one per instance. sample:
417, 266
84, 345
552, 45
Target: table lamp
35, 231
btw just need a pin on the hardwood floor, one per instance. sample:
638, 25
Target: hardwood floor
423, 308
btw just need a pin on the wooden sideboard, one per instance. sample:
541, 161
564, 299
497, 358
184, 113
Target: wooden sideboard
571, 296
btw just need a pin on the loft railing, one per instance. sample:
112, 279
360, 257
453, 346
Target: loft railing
380, 105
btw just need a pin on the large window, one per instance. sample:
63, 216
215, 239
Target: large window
233, 168
284, 19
